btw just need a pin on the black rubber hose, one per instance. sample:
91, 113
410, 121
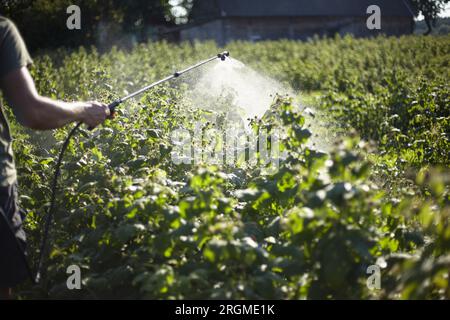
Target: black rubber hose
54, 189
50, 212
112, 108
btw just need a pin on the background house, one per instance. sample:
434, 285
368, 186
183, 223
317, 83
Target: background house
254, 20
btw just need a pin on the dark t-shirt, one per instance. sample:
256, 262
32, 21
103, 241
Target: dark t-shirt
13, 55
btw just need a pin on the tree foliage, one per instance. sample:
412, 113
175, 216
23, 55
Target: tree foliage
430, 10
37, 19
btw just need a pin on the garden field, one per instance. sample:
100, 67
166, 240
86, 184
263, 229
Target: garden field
321, 226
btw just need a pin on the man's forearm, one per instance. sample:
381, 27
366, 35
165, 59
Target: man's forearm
51, 114
41, 113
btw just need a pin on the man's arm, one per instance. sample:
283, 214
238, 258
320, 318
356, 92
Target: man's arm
41, 113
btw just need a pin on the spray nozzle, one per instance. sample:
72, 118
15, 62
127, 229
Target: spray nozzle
223, 55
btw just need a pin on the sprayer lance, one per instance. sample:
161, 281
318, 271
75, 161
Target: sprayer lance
112, 107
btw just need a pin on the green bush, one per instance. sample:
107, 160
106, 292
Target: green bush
140, 226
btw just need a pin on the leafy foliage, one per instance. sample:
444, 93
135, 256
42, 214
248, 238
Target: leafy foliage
140, 226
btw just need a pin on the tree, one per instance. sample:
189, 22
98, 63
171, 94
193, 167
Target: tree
430, 10
37, 19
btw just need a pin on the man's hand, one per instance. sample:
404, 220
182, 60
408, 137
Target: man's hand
94, 113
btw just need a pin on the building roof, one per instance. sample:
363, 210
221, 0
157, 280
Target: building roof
209, 9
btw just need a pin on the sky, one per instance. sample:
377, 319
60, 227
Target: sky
447, 11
